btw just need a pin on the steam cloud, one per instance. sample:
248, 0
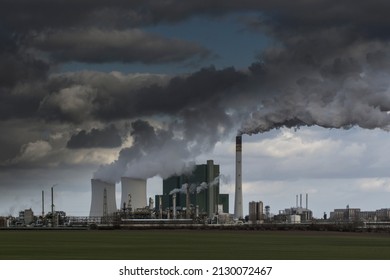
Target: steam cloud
148, 156
198, 188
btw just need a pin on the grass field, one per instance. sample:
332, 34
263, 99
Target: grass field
192, 244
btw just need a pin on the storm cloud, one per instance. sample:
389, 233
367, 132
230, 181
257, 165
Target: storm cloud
326, 65
126, 46
105, 138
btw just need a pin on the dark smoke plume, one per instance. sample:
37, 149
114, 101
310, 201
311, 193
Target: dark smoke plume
328, 65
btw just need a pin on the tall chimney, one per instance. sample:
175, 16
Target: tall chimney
160, 206
52, 207
174, 205
188, 201
297, 202
300, 200
307, 201
43, 204
238, 207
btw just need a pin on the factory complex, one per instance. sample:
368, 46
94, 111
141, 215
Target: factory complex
190, 196
187, 200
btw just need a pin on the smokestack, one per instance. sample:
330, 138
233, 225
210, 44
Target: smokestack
43, 204
297, 202
300, 200
238, 207
174, 205
160, 206
151, 203
52, 206
105, 206
129, 204
188, 202
307, 201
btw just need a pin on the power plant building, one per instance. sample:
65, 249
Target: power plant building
199, 190
256, 212
133, 191
296, 214
103, 200
224, 201
347, 214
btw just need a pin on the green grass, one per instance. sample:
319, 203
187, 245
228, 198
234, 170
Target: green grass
191, 244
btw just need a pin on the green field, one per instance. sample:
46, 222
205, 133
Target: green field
191, 244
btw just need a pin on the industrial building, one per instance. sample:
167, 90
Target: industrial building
256, 212
26, 217
3, 222
297, 214
347, 214
197, 192
190, 195
356, 215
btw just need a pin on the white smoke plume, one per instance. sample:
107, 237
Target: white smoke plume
183, 189
200, 187
351, 89
203, 186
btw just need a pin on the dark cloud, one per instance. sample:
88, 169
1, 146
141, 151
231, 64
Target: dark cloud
24, 14
83, 96
20, 68
341, 67
106, 138
98, 31
114, 96
205, 88
327, 67
127, 46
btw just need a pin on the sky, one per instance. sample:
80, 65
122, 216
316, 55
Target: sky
104, 89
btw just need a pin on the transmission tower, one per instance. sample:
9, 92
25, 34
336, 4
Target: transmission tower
105, 207
129, 206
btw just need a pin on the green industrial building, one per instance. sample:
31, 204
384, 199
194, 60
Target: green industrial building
202, 186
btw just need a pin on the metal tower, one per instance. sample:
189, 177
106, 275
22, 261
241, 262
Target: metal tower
105, 207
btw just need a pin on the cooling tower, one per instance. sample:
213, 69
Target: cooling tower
238, 207
137, 189
98, 201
